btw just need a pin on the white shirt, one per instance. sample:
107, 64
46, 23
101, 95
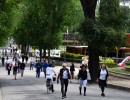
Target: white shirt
65, 74
103, 74
7, 61
49, 71
13, 63
32, 62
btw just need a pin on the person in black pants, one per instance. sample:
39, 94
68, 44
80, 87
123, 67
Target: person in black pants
82, 79
72, 69
3, 60
102, 78
64, 75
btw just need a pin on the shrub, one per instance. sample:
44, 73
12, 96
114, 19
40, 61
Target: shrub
109, 65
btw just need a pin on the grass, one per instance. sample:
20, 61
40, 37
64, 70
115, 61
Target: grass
119, 70
128, 66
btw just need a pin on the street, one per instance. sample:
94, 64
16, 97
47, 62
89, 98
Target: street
32, 88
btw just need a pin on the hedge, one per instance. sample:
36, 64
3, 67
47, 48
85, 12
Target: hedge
109, 65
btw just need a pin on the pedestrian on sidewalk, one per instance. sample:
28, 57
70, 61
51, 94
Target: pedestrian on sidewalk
42, 64
15, 70
3, 60
72, 69
26, 58
82, 79
38, 67
13, 64
31, 64
64, 76
9, 67
22, 68
49, 72
45, 67
7, 61
102, 78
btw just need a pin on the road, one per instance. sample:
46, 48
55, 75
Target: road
32, 88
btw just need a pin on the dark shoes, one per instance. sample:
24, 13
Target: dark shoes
103, 94
64, 96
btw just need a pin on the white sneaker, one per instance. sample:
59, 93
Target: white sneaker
22, 78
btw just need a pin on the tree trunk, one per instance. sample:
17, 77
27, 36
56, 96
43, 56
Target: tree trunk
23, 49
48, 55
93, 63
89, 7
40, 54
44, 52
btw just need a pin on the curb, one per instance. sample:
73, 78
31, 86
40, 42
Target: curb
113, 86
123, 88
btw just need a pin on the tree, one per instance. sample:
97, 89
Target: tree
104, 33
6, 19
89, 7
42, 24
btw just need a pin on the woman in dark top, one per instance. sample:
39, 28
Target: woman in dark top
102, 78
15, 70
72, 69
83, 79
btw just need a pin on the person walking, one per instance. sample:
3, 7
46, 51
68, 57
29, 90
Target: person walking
15, 70
13, 64
3, 60
22, 68
7, 61
26, 58
42, 64
82, 79
45, 67
72, 69
31, 64
49, 72
9, 67
102, 78
38, 67
64, 76
23, 58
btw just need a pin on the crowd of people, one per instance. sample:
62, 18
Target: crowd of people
64, 74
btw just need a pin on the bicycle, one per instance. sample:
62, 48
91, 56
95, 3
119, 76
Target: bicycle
48, 85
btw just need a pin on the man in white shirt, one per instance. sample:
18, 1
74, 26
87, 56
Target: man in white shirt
64, 75
31, 63
49, 72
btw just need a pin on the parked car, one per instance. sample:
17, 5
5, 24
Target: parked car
123, 63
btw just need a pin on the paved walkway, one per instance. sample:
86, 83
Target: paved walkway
32, 88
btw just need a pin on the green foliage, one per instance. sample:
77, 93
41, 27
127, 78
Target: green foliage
72, 55
102, 39
105, 33
41, 22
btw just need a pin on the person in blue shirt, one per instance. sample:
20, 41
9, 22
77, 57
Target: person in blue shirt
45, 67
42, 64
38, 67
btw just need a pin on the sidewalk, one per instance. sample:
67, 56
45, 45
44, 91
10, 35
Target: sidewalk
32, 88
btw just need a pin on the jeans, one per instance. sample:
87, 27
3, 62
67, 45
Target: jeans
8, 71
31, 66
45, 72
64, 82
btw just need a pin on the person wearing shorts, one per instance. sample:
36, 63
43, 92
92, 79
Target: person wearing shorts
22, 68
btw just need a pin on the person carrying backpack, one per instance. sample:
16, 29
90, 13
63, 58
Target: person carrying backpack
22, 68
